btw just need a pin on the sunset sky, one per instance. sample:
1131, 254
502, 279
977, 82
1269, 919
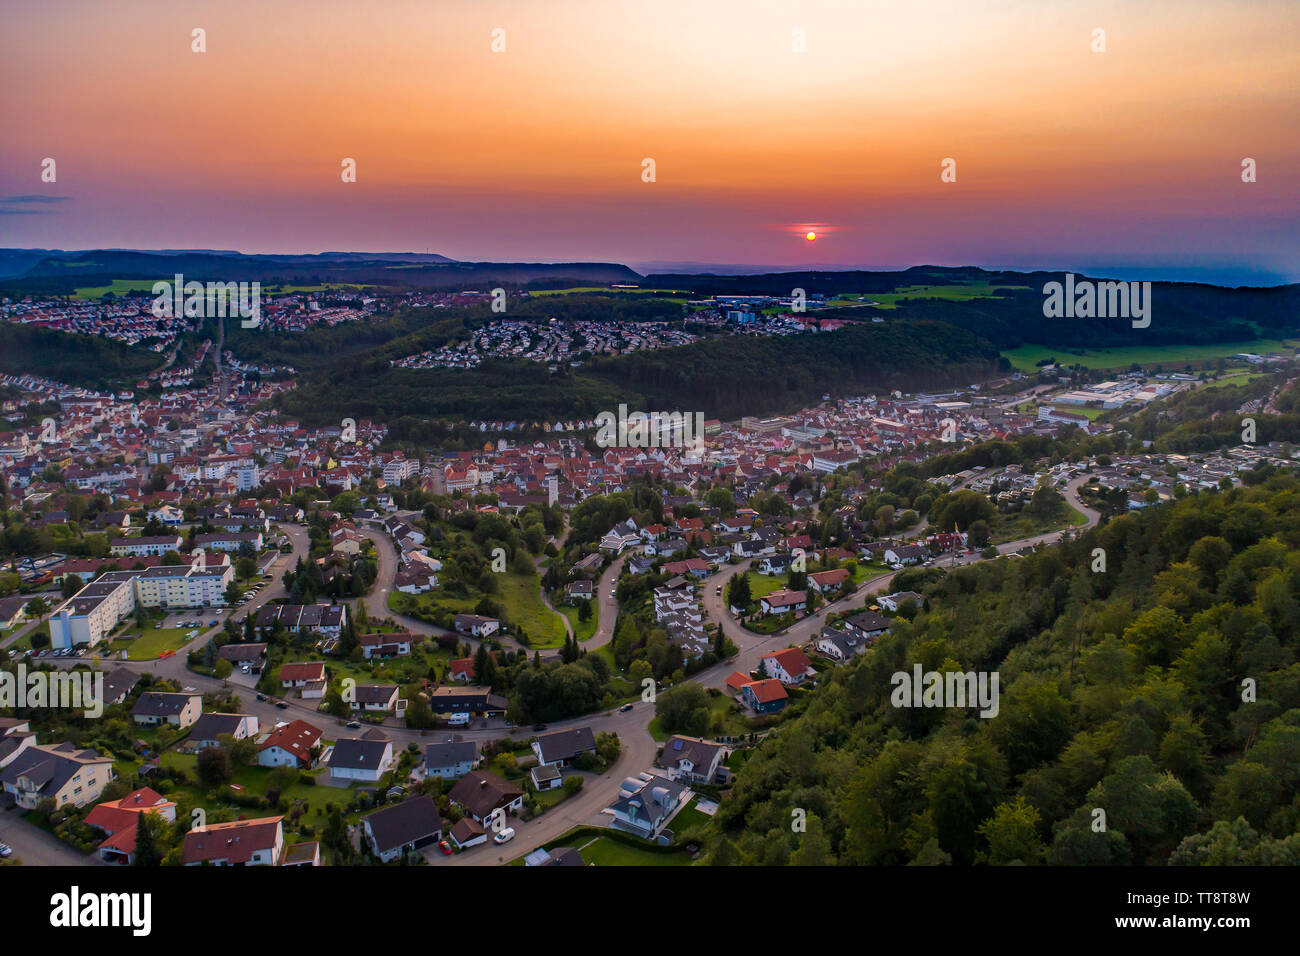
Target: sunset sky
1127, 161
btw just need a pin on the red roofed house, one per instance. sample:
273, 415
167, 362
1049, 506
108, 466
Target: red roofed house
289, 745
461, 669
790, 666
765, 696
396, 644
242, 843
119, 819
778, 602
300, 675
823, 581
737, 680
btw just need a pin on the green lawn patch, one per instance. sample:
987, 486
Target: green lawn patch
1026, 357
148, 644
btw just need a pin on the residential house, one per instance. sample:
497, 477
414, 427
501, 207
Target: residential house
119, 820
790, 666
644, 807
361, 759
561, 747
242, 843
396, 644
290, 745
450, 759
58, 772
824, 582
779, 602
179, 710
476, 625
404, 827
375, 698
868, 625
209, 728
482, 793
691, 759
892, 602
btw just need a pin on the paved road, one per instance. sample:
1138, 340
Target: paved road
35, 847
638, 746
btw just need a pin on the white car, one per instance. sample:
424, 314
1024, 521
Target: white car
505, 836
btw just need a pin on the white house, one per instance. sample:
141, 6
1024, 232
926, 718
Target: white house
358, 759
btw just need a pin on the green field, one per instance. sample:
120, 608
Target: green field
1025, 357
327, 287
117, 287
592, 288
150, 642
605, 852
1237, 378
582, 631
522, 598
519, 595
1089, 413
957, 293
1013, 527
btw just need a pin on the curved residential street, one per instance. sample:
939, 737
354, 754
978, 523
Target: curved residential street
638, 747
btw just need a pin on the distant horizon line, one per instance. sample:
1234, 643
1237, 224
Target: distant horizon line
1220, 276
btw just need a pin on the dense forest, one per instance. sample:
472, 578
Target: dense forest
1149, 710
722, 377
85, 360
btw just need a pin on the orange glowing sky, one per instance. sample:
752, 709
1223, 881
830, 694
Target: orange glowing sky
1065, 157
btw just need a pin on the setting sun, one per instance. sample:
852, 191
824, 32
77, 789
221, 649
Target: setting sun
811, 236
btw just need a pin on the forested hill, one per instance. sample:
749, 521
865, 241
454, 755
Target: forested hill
1121, 692
722, 377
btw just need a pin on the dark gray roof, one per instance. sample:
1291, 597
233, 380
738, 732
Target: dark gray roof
356, 754
566, 744
449, 753
405, 822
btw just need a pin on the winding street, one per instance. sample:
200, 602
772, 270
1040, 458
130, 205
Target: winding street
638, 747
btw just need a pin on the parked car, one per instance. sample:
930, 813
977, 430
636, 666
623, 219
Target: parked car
625, 708
445, 847
354, 725
261, 697
539, 727
281, 704
505, 836
6, 850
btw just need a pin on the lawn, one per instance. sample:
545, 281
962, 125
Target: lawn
1025, 357
522, 598
519, 595
150, 643
1088, 413
958, 292
603, 851
255, 781
688, 817
1017, 525
761, 585
868, 570
724, 718
118, 287
1237, 378
581, 630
